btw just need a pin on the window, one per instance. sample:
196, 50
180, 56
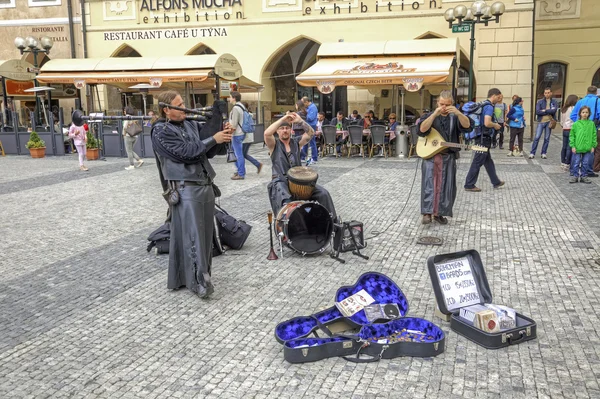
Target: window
7, 3
596, 79
462, 91
43, 3
553, 75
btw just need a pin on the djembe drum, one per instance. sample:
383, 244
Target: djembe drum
302, 181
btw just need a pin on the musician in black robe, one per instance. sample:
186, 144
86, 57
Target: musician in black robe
183, 149
438, 174
285, 154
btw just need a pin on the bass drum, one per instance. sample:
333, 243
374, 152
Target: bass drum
307, 226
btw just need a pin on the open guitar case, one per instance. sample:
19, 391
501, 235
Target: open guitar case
383, 339
525, 329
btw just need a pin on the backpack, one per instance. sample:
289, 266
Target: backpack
473, 110
160, 240
247, 123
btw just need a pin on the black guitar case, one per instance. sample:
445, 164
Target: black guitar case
383, 339
526, 328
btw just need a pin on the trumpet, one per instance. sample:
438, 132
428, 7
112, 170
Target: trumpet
206, 111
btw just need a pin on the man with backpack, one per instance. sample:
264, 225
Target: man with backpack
488, 125
240, 120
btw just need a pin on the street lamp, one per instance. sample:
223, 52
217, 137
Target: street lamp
31, 45
467, 18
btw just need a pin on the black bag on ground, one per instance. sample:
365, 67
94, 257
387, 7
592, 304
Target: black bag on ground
160, 240
232, 232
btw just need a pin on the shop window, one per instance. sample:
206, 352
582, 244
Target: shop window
596, 79
7, 3
553, 75
462, 91
285, 82
43, 3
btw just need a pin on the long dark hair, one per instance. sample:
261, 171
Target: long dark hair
166, 97
570, 102
517, 101
129, 111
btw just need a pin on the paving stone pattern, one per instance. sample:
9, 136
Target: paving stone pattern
85, 312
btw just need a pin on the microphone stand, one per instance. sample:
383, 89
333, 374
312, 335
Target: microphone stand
272, 254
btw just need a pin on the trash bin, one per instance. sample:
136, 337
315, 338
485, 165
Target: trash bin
402, 147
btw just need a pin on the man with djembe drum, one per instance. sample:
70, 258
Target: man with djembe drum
285, 155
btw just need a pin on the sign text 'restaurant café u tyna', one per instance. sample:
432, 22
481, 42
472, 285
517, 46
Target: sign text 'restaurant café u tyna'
205, 10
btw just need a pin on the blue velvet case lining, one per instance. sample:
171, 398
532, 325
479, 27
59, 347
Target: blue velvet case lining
376, 332
379, 286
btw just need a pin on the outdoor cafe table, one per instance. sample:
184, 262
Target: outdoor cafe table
367, 132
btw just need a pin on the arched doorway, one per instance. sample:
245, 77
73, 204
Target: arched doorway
198, 98
596, 78
118, 99
281, 70
126, 51
200, 49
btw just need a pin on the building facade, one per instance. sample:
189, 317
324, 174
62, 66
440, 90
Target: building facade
276, 40
567, 38
57, 19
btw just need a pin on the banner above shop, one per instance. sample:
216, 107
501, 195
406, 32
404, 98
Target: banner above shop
377, 71
17, 70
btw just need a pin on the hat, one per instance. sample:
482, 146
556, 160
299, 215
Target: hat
285, 124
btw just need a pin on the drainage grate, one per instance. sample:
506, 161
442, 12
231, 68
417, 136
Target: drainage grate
428, 240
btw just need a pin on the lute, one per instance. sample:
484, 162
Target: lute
434, 143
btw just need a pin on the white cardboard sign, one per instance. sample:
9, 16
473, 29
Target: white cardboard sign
457, 283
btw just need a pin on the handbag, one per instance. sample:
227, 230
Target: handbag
230, 154
552, 123
232, 232
133, 129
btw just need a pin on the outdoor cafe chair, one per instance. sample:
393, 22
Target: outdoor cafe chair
378, 139
414, 137
356, 139
330, 136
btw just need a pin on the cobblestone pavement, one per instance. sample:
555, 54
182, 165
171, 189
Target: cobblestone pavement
84, 309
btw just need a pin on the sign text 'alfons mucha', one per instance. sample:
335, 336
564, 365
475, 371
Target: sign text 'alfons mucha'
199, 10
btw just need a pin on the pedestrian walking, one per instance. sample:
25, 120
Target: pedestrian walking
566, 122
312, 116
248, 141
488, 124
500, 110
516, 123
583, 140
77, 133
130, 138
241, 140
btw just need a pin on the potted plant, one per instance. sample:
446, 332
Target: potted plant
36, 146
92, 145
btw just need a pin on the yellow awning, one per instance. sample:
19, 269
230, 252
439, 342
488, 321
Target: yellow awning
115, 70
125, 77
371, 71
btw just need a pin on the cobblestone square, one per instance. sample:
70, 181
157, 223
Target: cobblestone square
85, 312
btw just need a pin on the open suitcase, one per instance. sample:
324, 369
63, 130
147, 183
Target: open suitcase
382, 339
459, 280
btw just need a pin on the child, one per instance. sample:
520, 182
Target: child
582, 140
77, 133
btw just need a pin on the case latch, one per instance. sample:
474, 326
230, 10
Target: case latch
505, 337
528, 331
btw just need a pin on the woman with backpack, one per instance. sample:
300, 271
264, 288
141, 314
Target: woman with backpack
130, 131
516, 122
